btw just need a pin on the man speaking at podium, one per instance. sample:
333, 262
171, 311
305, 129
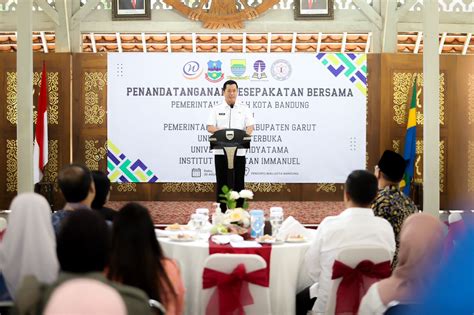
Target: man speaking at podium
230, 115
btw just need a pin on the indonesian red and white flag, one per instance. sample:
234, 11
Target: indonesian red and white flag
40, 152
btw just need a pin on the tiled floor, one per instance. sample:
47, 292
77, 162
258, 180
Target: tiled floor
168, 212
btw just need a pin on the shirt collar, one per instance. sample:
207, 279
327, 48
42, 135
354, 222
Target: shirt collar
357, 211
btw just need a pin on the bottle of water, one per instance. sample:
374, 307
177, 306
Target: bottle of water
257, 222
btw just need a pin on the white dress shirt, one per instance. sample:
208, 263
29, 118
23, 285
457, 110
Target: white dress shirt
352, 228
225, 117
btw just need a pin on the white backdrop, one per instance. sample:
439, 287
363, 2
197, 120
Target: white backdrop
310, 113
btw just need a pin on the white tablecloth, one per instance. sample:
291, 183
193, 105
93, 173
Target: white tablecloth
287, 273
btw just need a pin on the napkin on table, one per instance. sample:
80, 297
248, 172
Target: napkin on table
291, 226
226, 239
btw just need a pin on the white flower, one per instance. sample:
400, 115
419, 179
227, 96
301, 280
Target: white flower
235, 216
247, 194
234, 195
245, 222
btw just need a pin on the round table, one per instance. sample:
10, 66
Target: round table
287, 272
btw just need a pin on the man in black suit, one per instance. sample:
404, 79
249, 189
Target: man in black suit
131, 4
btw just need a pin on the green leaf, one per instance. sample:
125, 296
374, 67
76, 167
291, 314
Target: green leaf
225, 189
231, 204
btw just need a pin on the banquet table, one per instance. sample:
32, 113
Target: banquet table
287, 273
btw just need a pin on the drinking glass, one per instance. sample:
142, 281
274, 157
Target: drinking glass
198, 220
276, 219
204, 212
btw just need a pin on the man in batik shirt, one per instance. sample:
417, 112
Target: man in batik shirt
390, 203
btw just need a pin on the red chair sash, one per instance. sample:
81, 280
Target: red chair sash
265, 252
232, 292
355, 282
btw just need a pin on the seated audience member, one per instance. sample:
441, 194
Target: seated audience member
137, 259
456, 230
355, 227
77, 186
452, 290
85, 296
102, 193
421, 246
29, 246
390, 203
82, 248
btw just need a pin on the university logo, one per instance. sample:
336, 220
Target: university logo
214, 71
259, 67
238, 68
281, 70
192, 70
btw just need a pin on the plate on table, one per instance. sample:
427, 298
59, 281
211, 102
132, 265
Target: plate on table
176, 227
182, 238
266, 239
296, 239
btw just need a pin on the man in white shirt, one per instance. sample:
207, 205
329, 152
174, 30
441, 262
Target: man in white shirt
230, 115
356, 226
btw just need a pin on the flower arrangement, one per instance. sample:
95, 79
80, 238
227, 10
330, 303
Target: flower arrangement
233, 215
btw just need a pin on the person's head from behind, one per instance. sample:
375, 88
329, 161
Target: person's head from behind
390, 167
76, 184
83, 242
102, 189
134, 244
230, 89
360, 189
421, 247
85, 296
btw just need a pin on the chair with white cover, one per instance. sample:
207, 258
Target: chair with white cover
3, 227
157, 307
352, 257
227, 263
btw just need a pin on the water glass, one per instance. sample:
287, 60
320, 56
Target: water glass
204, 212
199, 221
276, 219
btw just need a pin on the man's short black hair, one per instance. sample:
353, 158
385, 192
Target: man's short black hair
102, 188
83, 242
392, 165
75, 182
229, 82
361, 186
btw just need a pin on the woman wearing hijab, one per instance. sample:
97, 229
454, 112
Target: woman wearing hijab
137, 259
85, 296
421, 246
29, 244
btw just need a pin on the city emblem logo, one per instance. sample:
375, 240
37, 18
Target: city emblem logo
238, 68
192, 70
259, 74
281, 70
214, 71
